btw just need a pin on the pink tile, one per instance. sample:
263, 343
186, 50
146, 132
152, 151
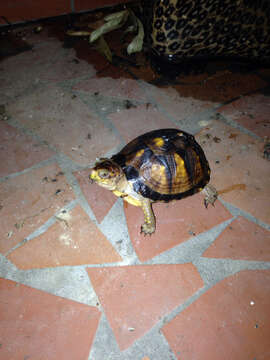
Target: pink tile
99, 199
42, 54
136, 121
179, 106
16, 79
66, 123
252, 112
239, 171
123, 88
18, 151
176, 222
136, 297
243, 240
73, 240
37, 325
230, 321
28, 201
67, 67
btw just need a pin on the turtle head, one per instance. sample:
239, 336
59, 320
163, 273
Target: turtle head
106, 173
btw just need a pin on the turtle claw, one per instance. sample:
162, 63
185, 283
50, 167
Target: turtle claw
147, 229
206, 202
211, 195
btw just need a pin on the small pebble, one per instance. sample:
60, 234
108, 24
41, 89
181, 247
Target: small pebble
203, 123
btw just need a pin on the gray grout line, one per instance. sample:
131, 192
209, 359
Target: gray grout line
202, 115
235, 211
115, 223
25, 130
211, 270
228, 121
199, 262
185, 123
39, 165
89, 101
44, 227
242, 266
128, 250
207, 267
152, 344
192, 248
66, 164
80, 197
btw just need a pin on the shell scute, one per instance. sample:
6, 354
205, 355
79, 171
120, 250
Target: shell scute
164, 164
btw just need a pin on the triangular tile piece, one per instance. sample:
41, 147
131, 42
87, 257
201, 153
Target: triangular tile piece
251, 112
38, 325
99, 199
73, 240
137, 121
176, 223
242, 240
117, 88
238, 169
135, 298
29, 200
82, 140
230, 321
22, 150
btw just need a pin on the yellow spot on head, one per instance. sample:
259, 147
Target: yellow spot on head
139, 153
93, 175
159, 142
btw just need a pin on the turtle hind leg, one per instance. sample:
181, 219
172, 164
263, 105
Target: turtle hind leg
149, 225
211, 195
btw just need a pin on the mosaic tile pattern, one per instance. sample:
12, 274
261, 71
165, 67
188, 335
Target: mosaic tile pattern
78, 280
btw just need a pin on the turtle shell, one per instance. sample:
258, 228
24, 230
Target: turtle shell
164, 165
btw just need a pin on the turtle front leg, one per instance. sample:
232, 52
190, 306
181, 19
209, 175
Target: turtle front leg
149, 225
211, 195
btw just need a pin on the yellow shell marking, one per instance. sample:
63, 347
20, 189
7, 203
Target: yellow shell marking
158, 142
180, 167
158, 172
139, 153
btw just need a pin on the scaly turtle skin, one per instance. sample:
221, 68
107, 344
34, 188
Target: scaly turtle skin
161, 165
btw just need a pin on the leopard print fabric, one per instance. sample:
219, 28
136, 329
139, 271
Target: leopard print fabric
183, 29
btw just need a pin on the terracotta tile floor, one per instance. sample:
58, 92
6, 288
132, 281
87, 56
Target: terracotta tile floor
78, 280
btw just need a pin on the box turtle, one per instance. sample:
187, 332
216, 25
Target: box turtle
161, 165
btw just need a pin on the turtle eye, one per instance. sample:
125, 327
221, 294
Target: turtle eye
104, 174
